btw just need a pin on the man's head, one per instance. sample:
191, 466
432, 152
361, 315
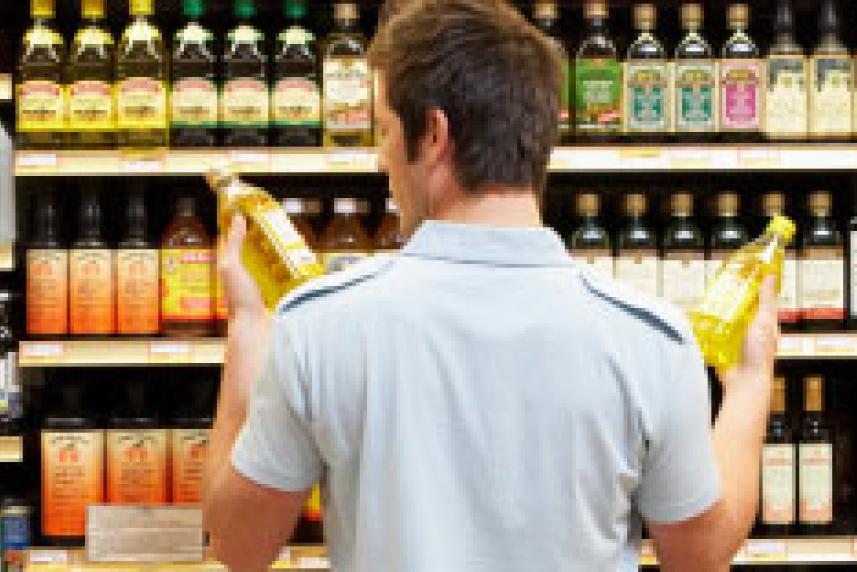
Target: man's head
468, 99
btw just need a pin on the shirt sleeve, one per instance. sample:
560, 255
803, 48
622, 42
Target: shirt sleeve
276, 447
680, 475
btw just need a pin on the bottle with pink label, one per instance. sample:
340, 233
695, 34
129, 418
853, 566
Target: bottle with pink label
741, 81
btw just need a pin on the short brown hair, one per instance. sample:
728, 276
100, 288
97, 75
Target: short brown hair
494, 75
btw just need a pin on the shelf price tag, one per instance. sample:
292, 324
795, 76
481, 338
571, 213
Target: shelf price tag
313, 562
766, 551
758, 158
352, 161
41, 351
249, 160
836, 345
642, 158
170, 352
792, 346
47, 560
11, 449
142, 162
36, 160
690, 158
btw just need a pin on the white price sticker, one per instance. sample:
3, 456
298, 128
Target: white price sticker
766, 550
170, 351
43, 557
42, 350
143, 166
352, 160
836, 345
37, 160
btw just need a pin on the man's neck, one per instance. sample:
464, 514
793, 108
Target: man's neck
492, 207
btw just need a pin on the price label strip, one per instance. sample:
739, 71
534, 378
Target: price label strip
170, 352
11, 449
766, 551
41, 352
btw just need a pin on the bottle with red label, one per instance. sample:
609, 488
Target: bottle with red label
138, 299
47, 272
821, 279
741, 81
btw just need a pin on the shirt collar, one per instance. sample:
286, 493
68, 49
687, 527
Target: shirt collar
482, 244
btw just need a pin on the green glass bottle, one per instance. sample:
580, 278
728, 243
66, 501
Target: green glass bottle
598, 79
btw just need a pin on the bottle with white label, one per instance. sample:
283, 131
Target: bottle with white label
741, 81
727, 235
788, 309
786, 100
821, 280
647, 81
694, 80
683, 265
590, 243
637, 261
779, 468
815, 461
832, 80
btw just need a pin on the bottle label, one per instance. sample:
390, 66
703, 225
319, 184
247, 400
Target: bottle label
347, 94
715, 261
724, 293
646, 93
72, 469
90, 106
786, 107
683, 279
189, 448
142, 104
137, 466
288, 242
778, 484
852, 279
821, 284
816, 482
41, 106
245, 103
47, 292
831, 98
788, 305
640, 270
138, 296
194, 103
296, 102
187, 276
695, 84
599, 95
600, 260
91, 294
334, 261
740, 82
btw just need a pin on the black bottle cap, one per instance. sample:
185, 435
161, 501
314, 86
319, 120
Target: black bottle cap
89, 222
784, 22
828, 20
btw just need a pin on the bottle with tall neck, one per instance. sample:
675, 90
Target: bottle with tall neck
727, 235
347, 82
141, 76
245, 102
647, 80
683, 264
546, 19
637, 261
41, 92
695, 97
832, 79
296, 94
786, 100
821, 280
788, 308
590, 243
597, 79
137, 273
47, 272
779, 467
194, 104
815, 461
741, 80
91, 77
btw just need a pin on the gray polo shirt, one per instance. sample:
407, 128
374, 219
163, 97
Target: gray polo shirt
480, 402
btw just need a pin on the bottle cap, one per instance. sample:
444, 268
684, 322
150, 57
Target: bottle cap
42, 8
828, 20
778, 395
194, 8
546, 10
682, 204
739, 15
219, 176
595, 9
346, 11
588, 204
820, 202
295, 9
728, 204
784, 20
142, 7
782, 226
691, 13
645, 15
635, 204
813, 387
773, 204
392, 207
345, 206
294, 206
92, 9
244, 9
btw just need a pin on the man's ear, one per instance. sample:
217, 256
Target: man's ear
437, 141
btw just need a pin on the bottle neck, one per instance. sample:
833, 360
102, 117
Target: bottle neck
346, 25
597, 26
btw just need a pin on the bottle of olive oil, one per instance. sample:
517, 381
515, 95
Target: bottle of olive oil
695, 96
683, 264
741, 80
788, 308
598, 79
821, 280
91, 76
41, 91
831, 70
347, 82
786, 103
141, 76
546, 19
194, 100
245, 101
647, 80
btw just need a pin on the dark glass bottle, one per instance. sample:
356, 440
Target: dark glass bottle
683, 264
647, 81
637, 261
728, 234
296, 93
779, 468
821, 278
598, 80
137, 274
815, 461
546, 19
740, 81
695, 97
47, 273
831, 81
786, 100
590, 243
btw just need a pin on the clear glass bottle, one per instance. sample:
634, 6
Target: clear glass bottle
141, 76
728, 234
40, 96
590, 243
546, 19
779, 467
637, 261
815, 461
821, 279
647, 80
741, 81
347, 82
683, 264
786, 100
832, 81
91, 78
598, 79
695, 97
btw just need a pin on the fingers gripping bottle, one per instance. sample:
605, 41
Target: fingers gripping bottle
721, 320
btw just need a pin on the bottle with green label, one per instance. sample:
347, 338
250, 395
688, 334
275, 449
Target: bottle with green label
598, 79
832, 79
347, 82
194, 104
40, 98
741, 79
141, 78
546, 19
296, 93
91, 76
245, 100
695, 73
786, 103
647, 80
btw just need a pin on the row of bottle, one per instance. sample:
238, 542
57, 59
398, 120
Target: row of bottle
695, 94
138, 287
140, 95
815, 282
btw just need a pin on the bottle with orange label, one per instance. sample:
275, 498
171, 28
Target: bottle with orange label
92, 298
138, 303
187, 274
189, 442
345, 241
47, 273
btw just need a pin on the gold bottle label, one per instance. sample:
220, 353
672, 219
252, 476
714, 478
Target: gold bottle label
347, 94
245, 103
90, 106
194, 103
821, 284
41, 106
831, 97
142, 104
816, 482
296, 102
786, 102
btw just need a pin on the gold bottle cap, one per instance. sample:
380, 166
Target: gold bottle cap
728, 204
782, 226
739, 14
820, 202
142, 7
345, 206
813, 387
773, 204
312, 206
778, 395
635, 204
691, 13
595, 9
546, 10
42, 8
645, 15
588, 204
346, 11
92, 9
682, 204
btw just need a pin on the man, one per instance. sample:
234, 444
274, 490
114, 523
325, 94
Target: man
479, 402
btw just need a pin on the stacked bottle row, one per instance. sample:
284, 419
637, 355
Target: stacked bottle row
139, 94
678, 265
140, 287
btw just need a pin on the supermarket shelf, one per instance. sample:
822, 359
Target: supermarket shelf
7, 258
818, 346
618, 158
11, 449
141, 352
784, 551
